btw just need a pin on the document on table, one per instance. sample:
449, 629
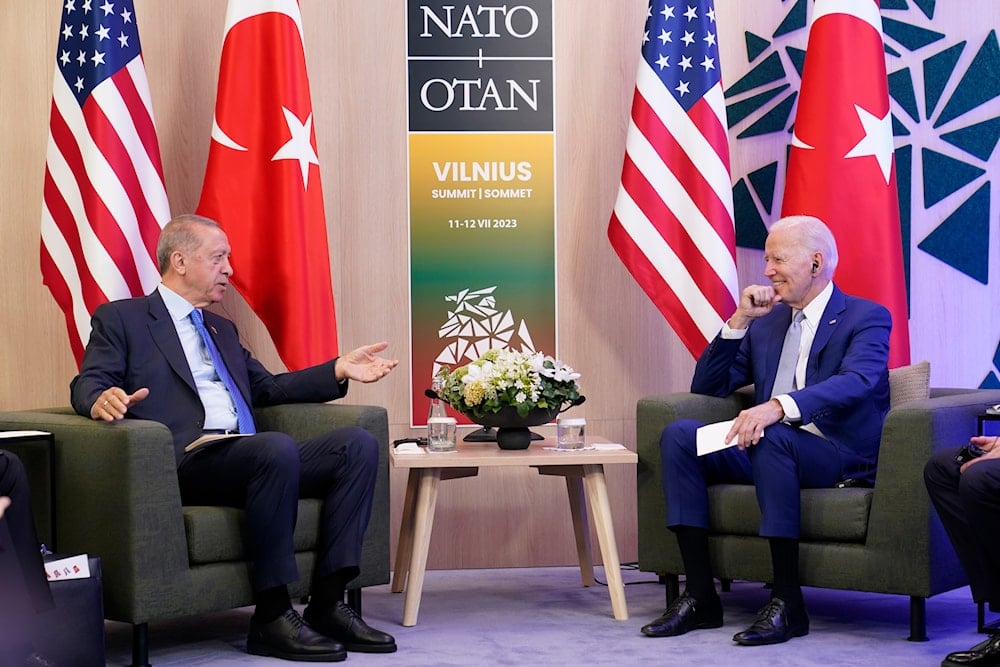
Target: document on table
712, 437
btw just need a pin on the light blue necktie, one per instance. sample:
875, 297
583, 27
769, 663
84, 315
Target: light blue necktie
784, 379
244, 417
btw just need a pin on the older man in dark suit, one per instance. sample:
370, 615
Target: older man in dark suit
160, 357
818, 361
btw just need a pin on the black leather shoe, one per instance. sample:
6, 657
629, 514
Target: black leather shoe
290, 638
777, 622
342, 623
684, 614
984, 653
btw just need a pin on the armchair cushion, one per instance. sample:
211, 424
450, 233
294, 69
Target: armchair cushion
828, 515
214, 534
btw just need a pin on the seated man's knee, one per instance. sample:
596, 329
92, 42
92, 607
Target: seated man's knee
678, 437
11, 472
979, 484
366, 445
277, 452
361, 444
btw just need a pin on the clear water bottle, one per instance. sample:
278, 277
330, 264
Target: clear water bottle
437, 405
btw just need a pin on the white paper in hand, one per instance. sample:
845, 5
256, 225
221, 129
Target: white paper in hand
712, 437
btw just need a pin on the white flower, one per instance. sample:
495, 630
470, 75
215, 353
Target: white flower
505, 378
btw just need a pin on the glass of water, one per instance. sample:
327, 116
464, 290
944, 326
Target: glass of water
441, 434
570, 432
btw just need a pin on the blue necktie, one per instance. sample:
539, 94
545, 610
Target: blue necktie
244, 417
784, 379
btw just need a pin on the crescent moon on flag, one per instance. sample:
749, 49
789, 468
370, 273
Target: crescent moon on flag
798, 143
238, 11
223, 138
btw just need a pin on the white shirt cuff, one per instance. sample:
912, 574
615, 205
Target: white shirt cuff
792, 412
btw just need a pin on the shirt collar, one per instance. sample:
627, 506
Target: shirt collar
178, 307
814, 309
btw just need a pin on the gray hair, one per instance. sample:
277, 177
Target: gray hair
179, 234
813, 236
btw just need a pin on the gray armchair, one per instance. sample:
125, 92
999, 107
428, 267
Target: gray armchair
116, 496
885, 540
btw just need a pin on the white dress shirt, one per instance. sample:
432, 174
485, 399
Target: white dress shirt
220, 411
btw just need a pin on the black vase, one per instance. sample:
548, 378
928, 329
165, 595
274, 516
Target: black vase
512, 428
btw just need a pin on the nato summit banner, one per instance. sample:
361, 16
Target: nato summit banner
482, 183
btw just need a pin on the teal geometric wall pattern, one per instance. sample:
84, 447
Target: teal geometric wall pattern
944, 88
765, 98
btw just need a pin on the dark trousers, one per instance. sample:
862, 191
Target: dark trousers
969, 506
24, 588
786, 460
266, 474
20, 557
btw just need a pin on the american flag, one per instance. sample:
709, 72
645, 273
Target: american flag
672, 225
104, 201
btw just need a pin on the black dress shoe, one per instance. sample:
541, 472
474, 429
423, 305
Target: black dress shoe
342, 623
290, 638
984, 653
777, 622
685, 613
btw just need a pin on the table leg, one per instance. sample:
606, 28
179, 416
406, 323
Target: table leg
581, 528
404, 547
423, 520
597, 494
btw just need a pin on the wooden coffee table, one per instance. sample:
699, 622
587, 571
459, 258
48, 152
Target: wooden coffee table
585, 482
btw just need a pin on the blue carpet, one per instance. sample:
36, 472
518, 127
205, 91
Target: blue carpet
543, 616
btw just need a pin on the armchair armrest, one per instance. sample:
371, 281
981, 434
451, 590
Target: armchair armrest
306, 420
116, 496
901, 509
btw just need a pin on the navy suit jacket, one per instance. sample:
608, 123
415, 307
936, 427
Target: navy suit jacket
134, 344
847, 379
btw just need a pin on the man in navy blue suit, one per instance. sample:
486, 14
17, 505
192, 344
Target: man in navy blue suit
818, 360
153, 358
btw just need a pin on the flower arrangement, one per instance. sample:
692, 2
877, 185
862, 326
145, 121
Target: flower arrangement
504, 378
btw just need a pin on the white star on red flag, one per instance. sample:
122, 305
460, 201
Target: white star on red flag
298, 147
877, 141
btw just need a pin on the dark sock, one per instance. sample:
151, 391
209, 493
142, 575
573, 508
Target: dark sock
698, 580
785, 561
329, 590
271, 603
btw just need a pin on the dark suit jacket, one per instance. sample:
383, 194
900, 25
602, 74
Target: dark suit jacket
134, 344
847, 378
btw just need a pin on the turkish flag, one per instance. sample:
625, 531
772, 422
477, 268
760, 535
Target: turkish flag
841, 167
262, 182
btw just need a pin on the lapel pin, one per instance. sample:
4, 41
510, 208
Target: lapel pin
217, 333
831, 322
